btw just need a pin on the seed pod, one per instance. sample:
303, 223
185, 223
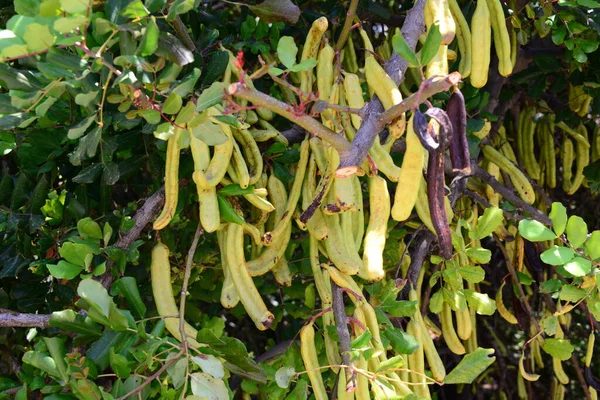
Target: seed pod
459, 147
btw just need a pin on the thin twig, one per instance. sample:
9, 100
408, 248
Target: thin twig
509, 195
154, 376
186, 278
515, 279
580, 377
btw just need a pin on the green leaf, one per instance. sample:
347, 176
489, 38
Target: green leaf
535, 231
89, 229
362, 341
210, 364
179, 7
576, 231
210, 133
235, 190
557, 255
479, 255
284, 376
287, 51
571, 293
134, 9
56, 348
188, 83
401, 308
205, 386
488, 222
228, 120
119, 364
38, 37
436, 302
216, 66
481, 302
300, 391
558, 215
188, 112
589, 3
129, 289
558, 348
75, 253
173, 50
64, 270
77, 131
75, 6
305, 65
172, 104
404, 50
432, 44
472, 273
27, 7
551, 286
471, 366
578, 266
391, 364
227, 212
151, 116
400, 341
177, 372
277, 10
210, 96
69, 320
592, 245
41, 361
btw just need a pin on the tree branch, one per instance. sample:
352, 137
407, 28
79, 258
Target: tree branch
509, 195
285, 110
376, 119
11, 319
148, 212
184, 286
341, 323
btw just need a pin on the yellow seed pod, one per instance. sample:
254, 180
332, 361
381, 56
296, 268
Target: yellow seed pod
481, 42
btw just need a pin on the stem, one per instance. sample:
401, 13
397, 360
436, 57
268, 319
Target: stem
184, 286
154, 376
347, 25
91, 54
375, 120
148, 212
509, 195
414, 100
310, 124
515, 279
11, 319
341, 322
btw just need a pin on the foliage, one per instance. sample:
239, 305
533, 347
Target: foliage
92, 92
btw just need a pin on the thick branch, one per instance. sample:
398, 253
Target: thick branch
376, 119
142, 217
341, 323
9, 319
395, 67
285, 110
